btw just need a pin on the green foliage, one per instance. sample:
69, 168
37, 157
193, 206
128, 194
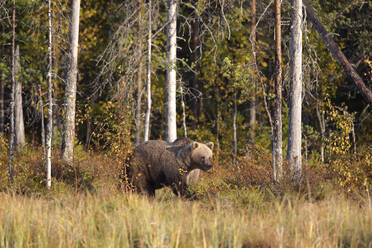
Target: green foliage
352, 173
339, 137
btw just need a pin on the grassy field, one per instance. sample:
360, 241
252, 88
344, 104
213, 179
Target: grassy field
109, 218
235, 208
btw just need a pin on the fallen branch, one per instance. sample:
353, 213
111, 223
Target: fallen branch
338, 54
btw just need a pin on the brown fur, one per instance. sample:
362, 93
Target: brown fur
156, 164
192, 177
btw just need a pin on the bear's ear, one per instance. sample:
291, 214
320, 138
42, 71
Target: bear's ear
210, 145
195, 145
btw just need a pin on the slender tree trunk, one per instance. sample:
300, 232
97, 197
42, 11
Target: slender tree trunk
50, 102
183, 113
12, 97
252, 107
338, 54
277, 153
171, 114
218, 117
68, 133
306, 151
19, 123
88, 131
41, 103
139, 79
321, 120
148, 86
2, 103
353, 137
194, 61
294, 139
235, 137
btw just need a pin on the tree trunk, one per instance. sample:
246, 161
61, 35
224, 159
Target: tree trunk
19, 123
277, 155
139, 79
88, 132
194, 61
294, 138
12, 96
321, 120
218, 117
68, 133
353, 137
50, 102
41, 103
148, 86
338, 54
252, 107
183, 113
235, 131
171, 114
2, 104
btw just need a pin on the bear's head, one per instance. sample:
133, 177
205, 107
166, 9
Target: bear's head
201, 155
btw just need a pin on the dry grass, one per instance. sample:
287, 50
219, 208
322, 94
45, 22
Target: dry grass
85, 209
109, 218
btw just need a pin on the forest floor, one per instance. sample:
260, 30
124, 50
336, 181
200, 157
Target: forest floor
85, 208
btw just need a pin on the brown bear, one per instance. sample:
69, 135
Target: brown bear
155, 164
193, 176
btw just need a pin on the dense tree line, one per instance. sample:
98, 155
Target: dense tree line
227, 71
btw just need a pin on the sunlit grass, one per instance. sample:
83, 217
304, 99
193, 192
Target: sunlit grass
109, 218
86, 209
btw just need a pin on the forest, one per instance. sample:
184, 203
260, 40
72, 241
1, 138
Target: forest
281, 88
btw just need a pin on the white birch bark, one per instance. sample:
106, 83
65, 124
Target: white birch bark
70, 91
19, 122
50, 103
148, 83
138, 116
294, 139
235, 131
171, 114
322, 125
41, 104
252, 107
183, 113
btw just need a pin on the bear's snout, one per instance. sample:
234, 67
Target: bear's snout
207, 167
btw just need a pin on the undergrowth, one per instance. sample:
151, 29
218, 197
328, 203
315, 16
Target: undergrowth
237, 206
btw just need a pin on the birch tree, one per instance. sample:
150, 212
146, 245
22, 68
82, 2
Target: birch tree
171, 114
41, 105
18, 108
50, 102
70, 90
277, 136
139, 79
295, 63
148, 82
252, 107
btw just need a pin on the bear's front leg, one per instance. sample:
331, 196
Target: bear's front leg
180, 190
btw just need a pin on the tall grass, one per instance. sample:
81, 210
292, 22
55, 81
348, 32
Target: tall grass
109, 218
85, 209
